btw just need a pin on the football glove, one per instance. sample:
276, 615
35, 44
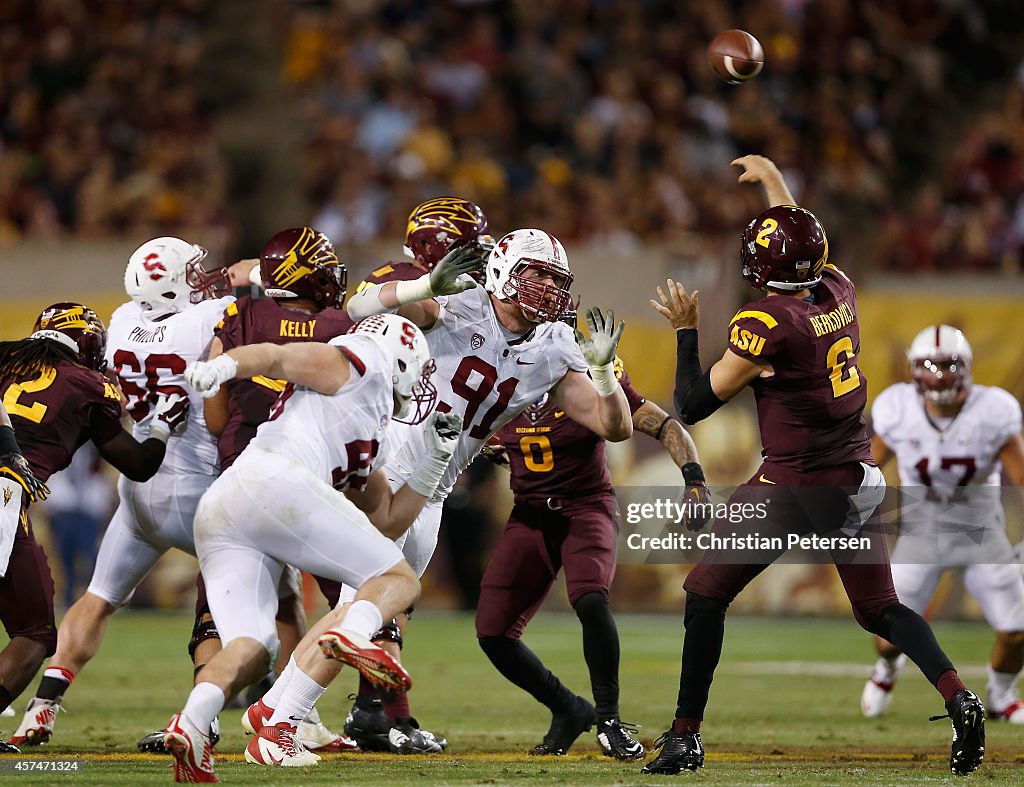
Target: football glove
442, 436
208, 376
15, 467
599, 349
447, 278
170, 416
696, 498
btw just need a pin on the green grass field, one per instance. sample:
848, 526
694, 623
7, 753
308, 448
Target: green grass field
784, 709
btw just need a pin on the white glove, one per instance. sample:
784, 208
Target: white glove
170, 416
208, 376
599, 349
442, 436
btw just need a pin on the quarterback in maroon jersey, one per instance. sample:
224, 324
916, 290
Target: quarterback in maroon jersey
306, 282
797, 347
58, 398
566, 516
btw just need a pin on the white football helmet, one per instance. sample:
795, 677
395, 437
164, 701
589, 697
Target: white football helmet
405, 343
940, 363
508, 262
166, 275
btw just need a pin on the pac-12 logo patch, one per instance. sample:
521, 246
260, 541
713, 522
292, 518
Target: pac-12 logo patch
477, 341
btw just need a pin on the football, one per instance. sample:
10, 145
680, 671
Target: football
735, 56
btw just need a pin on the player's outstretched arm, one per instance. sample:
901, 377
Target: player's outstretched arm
760, 169
140, 461
320, 367
414, 299
1012, 457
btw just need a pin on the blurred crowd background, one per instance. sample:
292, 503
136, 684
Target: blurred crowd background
900, 123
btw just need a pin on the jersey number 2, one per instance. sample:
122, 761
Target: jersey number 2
36, 410
842, 374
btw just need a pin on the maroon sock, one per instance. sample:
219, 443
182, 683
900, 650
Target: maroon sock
367, 691
948, 684
396, 704
686, 725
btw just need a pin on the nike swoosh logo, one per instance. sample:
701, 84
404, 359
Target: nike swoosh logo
268, 753
764, 480
521, 362
295, 718
559, 413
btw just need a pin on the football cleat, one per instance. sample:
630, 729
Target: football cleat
256, 717
369, 727
153, 743
406, 737
193, 758
616, 740
566, 727
967, 715
316, 737
678, 750
375, 664
37, 724
876, 698
278, 745
1013, 713
7, 748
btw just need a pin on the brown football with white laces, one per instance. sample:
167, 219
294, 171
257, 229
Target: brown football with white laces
735, 56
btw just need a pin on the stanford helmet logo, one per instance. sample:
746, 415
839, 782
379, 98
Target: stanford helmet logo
156, 268
477, 341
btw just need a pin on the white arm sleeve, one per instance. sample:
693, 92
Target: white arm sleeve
367, 302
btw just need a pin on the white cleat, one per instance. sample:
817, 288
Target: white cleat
278, 745
875, 699
316, 737
193, 755
1013, 713
37, 724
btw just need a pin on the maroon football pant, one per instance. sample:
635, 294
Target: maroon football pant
800, 502
26, 593
536, 544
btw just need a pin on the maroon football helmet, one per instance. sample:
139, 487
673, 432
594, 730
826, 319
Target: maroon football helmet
76, 327
301, 263
438, 224
784, 248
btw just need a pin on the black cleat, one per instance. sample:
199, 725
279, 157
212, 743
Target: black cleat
968, 717
153, 743
616, 739
8, 748
678, 750
370, 726
566, 727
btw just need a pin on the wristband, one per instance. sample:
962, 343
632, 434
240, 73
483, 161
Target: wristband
604, 378
415, 290
255, 275
692, 473
158, 430
427, 475
8, 442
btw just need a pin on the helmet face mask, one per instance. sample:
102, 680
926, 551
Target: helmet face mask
301, 263
784, 248
166, 275
414, 393
530, 268
436, 226
940, 364
76, 327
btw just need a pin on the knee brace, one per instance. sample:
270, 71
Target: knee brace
201, 631
388, 633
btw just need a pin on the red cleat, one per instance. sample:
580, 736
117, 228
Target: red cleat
193, 757
374, 663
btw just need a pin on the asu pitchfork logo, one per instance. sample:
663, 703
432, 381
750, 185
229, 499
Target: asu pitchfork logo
8, 494
443, 213
291, 270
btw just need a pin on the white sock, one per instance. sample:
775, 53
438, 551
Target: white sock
298, 699
1001, 688
313, 717
273, 697
887, 670
204, 703
363, 617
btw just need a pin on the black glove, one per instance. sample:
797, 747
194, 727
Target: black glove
14, 466
696, 498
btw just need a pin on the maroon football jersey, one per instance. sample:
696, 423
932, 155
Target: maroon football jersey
253, 321
811, 411
57, 411
550, 455
392, 271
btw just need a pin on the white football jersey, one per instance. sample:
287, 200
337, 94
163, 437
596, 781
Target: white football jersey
149, 358
939, 458
341, 437
483, 378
